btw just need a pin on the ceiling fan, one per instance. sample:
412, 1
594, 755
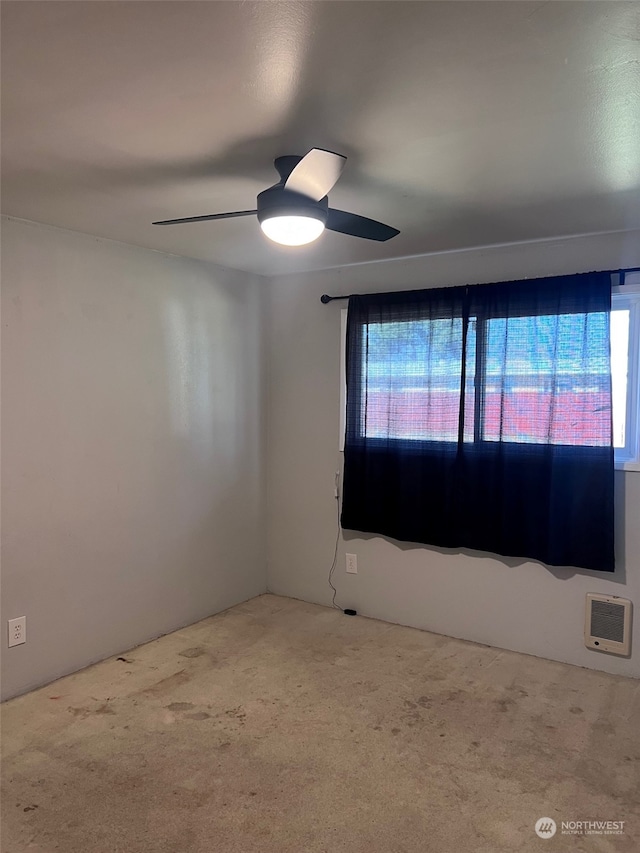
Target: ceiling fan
295, 211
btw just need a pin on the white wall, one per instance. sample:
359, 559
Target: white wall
506, 603
132, 485
132, 448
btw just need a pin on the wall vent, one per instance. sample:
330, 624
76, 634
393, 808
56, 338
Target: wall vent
607, 624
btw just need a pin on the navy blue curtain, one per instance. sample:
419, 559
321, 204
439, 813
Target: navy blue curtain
480, 417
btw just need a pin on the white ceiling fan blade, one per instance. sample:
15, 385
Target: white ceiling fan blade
316, 173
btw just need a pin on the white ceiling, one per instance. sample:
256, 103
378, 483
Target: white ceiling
465, 123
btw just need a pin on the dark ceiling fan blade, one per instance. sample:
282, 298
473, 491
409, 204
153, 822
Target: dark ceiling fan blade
316, 173
206, 218
359, 226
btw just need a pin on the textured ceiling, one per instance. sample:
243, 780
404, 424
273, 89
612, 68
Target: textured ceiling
465, 123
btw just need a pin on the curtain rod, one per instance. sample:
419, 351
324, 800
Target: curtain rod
325, 298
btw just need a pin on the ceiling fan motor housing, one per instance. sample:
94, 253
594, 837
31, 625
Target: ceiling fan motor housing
276, 201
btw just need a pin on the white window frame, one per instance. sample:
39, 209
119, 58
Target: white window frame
343, 376
627, 296
622, 296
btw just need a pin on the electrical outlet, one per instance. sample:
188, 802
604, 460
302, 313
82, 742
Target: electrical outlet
352, 564
17, 631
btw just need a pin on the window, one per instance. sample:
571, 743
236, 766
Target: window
528, 380
625, 372
418, 410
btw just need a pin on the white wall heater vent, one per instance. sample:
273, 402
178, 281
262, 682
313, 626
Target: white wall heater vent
607, 624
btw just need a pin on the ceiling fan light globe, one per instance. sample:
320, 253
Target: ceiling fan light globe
292, 230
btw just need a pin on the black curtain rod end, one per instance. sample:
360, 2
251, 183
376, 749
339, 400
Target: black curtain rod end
326, 298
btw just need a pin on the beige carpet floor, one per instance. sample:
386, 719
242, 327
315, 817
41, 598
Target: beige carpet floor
284, 727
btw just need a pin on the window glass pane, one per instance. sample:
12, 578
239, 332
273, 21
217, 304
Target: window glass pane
411, 379
619, 371
546, 380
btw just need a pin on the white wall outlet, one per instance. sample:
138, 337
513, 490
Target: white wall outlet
352, 564
17, 631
